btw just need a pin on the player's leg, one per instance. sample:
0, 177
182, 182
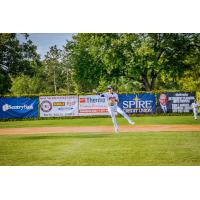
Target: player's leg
112, 114
119, 110
195, 114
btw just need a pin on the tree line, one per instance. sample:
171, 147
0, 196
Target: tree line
128, 61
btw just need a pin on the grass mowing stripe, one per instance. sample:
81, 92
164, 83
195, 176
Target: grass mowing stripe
100, 121
172, 148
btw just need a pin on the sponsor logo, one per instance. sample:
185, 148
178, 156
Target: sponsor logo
58, 103
137, 105
7, 107
82, 100
92, 100
46, 106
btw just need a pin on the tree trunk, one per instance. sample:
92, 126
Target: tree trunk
153, 79
152, 85
54, 81
145, 83
67, 74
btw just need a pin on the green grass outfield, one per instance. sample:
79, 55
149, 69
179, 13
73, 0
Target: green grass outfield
101, 149
98, 149
100, 121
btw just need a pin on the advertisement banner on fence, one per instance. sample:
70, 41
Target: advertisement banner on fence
92, 105
20, 107
175, 102
137, 103
58, 106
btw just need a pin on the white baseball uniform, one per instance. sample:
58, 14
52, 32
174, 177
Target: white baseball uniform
195, 109
114, 109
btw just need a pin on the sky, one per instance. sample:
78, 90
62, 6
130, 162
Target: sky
45, 40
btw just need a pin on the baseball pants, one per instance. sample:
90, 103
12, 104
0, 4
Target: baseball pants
112, 110
195, 111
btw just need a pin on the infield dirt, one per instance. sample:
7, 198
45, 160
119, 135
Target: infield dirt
103, 129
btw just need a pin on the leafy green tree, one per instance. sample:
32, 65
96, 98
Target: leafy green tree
15, 58
5, 82
188, 77
92, 61
53, 75
86, 68
53, 69
191, 78
144, 57
24, 84
140, 59
68, 85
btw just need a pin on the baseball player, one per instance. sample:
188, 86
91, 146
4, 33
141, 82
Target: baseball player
195, 106
112, 101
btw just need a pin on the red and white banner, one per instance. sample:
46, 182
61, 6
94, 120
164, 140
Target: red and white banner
58, 106
92, 105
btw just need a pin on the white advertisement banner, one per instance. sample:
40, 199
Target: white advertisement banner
92, 105
58, 106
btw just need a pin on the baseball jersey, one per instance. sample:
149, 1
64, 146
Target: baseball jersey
195, 105
110, 96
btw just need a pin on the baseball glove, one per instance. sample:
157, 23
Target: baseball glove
111, 102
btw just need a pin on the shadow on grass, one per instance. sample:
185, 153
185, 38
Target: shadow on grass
47, 137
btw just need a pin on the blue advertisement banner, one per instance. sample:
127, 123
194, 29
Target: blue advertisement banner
137, 103
21, 107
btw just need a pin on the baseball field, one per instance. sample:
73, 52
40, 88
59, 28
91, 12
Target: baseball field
152, 141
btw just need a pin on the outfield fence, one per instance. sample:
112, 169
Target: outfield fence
49, 106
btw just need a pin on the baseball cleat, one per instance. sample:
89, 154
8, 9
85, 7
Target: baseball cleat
131, 122
116, 130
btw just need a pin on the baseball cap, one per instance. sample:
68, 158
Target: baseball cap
110, 87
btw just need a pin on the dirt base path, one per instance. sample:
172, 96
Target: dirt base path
103, 129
